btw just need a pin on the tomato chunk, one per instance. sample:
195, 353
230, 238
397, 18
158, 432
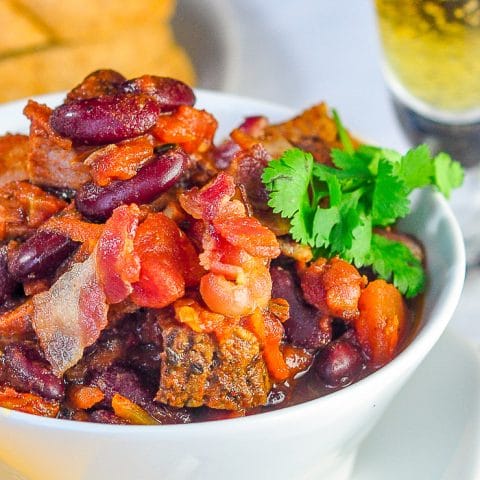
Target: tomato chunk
192, 129
168, 261
381, 321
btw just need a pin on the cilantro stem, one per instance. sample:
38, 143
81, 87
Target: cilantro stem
342, 133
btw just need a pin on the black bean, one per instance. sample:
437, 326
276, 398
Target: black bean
339, 363
107, 119
40, 255
305, 327
25, 370
157, 176
168, 92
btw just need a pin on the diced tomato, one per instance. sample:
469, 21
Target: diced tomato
192, 129
168, 262
119, 161
83, 397
334, 287
24, 207
117, 263
28, 403
249, 234
75, 228
17, 322
269, 332
381, 321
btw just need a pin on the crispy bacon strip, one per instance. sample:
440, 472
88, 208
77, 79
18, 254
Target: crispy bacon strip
70, 316
236, 249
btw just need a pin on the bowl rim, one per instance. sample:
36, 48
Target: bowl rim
414, 352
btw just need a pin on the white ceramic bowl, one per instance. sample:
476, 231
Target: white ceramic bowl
314, 440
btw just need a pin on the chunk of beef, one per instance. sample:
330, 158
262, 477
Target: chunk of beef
52, 160
13, 158
198, 370
313, 130
240, 379
185, 365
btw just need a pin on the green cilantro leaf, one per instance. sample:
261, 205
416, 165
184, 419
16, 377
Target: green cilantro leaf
416, 167
335, 209
448, 174
390, 200
393, 261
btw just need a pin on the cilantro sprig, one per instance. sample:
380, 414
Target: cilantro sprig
336, 210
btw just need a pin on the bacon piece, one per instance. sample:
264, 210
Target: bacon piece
28, 403
119, 161
70, 316
167, 259
52, 160
192, 129
117, 263
23, 207
13, 158
207, 202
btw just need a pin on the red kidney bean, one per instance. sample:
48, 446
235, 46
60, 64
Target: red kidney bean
145, 359
7, 283
305, 327
126, 382
40, 255
106, 416
339, 363
157, 176
25, 370
107, 119
168, 92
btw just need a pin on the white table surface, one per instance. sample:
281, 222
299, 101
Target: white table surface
300, 52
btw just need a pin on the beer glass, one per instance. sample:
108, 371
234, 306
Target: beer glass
431, 63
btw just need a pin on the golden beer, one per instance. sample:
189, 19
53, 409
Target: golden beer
432, 56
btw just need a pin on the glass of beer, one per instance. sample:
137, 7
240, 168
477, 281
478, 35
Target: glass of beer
431, 62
